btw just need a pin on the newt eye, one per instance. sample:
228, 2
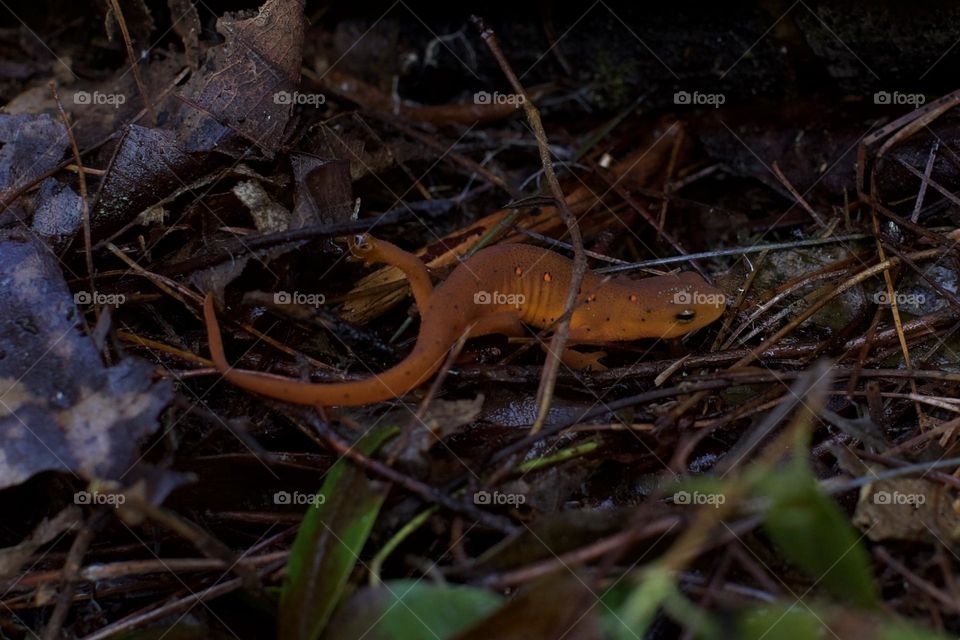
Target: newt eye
686, 315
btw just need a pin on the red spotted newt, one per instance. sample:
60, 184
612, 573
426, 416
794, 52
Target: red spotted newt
497, 290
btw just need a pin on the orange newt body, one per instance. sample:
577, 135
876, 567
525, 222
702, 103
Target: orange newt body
496, 291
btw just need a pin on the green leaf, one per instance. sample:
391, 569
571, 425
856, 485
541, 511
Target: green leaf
611, 602
781, 622
818, 620
640, 607
329, 543
903, 631
813, 533
410, 610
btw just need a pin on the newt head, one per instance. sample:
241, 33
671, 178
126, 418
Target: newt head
682, 303
364, 248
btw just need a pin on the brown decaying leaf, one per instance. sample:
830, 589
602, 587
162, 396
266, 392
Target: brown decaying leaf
148, 166
233, 104
907, 509
533, 613
324, 192
32, 146
243, 93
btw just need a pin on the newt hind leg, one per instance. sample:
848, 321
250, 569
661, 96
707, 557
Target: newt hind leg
578, 360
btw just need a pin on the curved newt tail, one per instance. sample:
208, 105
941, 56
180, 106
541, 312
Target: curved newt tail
413, 371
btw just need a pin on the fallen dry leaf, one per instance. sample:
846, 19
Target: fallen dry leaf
60, 408
907, 509
243, 93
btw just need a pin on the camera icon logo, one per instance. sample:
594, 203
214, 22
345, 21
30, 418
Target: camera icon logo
282, 297
82, 297
682, 97
282, 97
81, 97
882, 97
681, 497
881, 497
482, 497
482, 97
482, 297
82, 497
682, 297
282, 497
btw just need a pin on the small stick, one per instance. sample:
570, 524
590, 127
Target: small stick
84, 202
911, 577
134, 66
552, 365
126, 568
733, 251
895, 310
926, 177
933, 183
796, 195
70, 573
582, 555
186, 602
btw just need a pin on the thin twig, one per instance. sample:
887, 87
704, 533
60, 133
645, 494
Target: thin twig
84, 201
70, 573
559, 340
927, 170
733, 251
134, 65
796, 195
